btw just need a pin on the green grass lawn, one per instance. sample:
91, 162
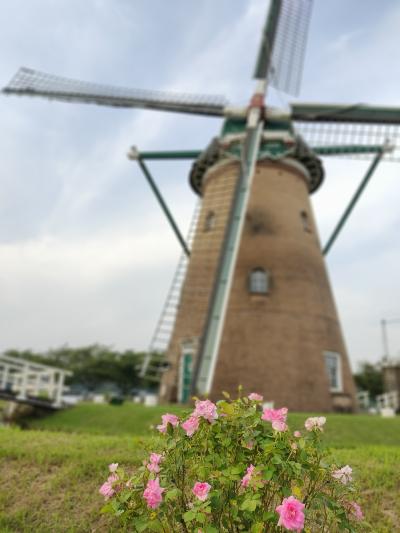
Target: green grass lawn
342, 431
105, 419
50, 475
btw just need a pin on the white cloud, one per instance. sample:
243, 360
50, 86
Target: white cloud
85, 253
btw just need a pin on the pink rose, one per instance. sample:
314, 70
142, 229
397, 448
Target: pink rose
355, 509
153, 493
167, 419
291, 515
107, 489
113, 467
254, 397
315, 422
277, 417
155, 460
343, 474
191, 425
247, 477
297, 434
206, 410
201, 490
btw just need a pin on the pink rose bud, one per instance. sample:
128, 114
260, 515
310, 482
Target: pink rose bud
343, 474
277, 417
167, 419
291, 515
153, 493
254, 397
201, 490
247, 477
356, 511
315, 422
206, 410
191, 425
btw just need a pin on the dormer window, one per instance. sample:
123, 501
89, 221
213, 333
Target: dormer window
305, 220
258, 281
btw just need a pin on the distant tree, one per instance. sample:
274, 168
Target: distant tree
369, 378
92, 365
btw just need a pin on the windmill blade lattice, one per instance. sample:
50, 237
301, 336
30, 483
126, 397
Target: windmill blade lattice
344, 134
28, 82
281, 54
346, 125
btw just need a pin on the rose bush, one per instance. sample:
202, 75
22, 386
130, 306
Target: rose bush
232, 467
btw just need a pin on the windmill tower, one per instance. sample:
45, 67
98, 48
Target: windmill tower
255, 304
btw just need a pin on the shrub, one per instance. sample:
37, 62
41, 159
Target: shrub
232, 467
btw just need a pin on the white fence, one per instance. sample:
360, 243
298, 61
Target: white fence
388, 400
26, 378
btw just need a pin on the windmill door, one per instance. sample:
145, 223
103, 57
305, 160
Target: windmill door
185, 375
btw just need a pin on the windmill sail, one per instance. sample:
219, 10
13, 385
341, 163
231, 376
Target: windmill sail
324, 125
28, 82
282, 49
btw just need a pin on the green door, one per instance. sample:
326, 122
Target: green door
185, 377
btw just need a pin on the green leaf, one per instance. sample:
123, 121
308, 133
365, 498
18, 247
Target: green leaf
257, 527
154, 525
107, 508
236, 470
201, 517
210, 529
141, 524
172, 494
249, 505
124, 497
268, 516
277, 460
189, 516
226, 394
268, 473
226, 408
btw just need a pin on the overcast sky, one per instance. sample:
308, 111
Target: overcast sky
85, 254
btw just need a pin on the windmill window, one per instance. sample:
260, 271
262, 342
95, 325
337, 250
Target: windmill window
334, 371
209, 222
258, 281
305, 221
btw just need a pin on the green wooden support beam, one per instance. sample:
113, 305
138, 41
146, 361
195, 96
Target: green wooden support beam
353, 201
135, 155
345, 113
320, 150
210, 342
347, 149
177, 154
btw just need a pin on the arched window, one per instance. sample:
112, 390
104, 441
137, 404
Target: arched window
209, 222
258, 281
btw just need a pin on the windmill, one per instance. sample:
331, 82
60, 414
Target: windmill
255, 304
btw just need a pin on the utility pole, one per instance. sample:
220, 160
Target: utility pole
385, 340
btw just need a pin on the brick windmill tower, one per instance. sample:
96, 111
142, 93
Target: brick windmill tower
252, 299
